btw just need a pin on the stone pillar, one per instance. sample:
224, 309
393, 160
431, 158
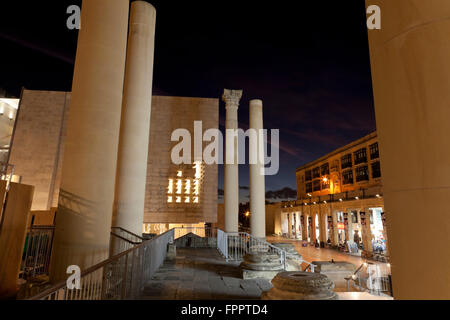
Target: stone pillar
290, 225
257, 175
411, 76
303, 224
83, 221
135, 125
366, 232
335, 238
231, 197
323, 225
295, 225
314, 229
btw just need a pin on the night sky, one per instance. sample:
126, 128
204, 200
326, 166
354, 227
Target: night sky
309, 63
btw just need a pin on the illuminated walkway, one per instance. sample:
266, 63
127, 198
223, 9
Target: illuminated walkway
311, 253
202, 274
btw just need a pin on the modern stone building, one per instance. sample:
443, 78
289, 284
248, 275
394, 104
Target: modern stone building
38, 147
339, 195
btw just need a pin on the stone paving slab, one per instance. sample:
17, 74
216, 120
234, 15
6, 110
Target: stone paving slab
202, 274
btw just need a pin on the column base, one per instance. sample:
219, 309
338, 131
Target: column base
301, 286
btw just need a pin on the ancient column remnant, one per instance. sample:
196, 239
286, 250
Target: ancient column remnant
257, 176
83, 220
135, 125
231, 197
301, 286
263, 265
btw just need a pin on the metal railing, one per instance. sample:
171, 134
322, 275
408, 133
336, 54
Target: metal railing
121, 277
37, 251
234, 246
191, 237
373, 278
122, 240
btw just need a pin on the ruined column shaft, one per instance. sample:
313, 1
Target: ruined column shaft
83, 220
257, 177
411, 76
135, 125
231, 181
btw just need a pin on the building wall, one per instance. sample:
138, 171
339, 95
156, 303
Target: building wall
38, 145
272, 216
169, 114
336, 169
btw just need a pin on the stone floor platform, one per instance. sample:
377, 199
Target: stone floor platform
202, 274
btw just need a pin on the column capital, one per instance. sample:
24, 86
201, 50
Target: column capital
232, 97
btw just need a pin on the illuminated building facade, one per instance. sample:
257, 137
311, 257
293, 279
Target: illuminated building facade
340, 199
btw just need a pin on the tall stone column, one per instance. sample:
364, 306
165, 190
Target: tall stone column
290, 225
365, 230
323, 225
296, 225
411, 76
257, 175
83, 220
335, 238
314, 228
135, 125
231, 196
303, 225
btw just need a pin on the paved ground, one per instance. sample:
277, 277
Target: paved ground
202, 274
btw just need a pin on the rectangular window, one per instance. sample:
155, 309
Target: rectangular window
309, 187
374, 153
347, 177
316, 185
346, 161
376, 170
316, 172
308, 175
325, 169
362, 173
325, 184
361, 156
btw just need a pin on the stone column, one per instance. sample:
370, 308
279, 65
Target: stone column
411, 76
296, 215
366, 232
83, 221
313, 228
304, 226
335, 238
257, 175
231, 197
323, 225
290, 225
135, 125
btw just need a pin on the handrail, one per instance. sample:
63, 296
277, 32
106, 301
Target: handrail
224, 248
129, 232
63, 283
124, 239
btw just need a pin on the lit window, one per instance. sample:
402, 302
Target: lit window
170, 188
179, 174
170, 199
187, 187
187, 199
178, 199
195, 199
179, 186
